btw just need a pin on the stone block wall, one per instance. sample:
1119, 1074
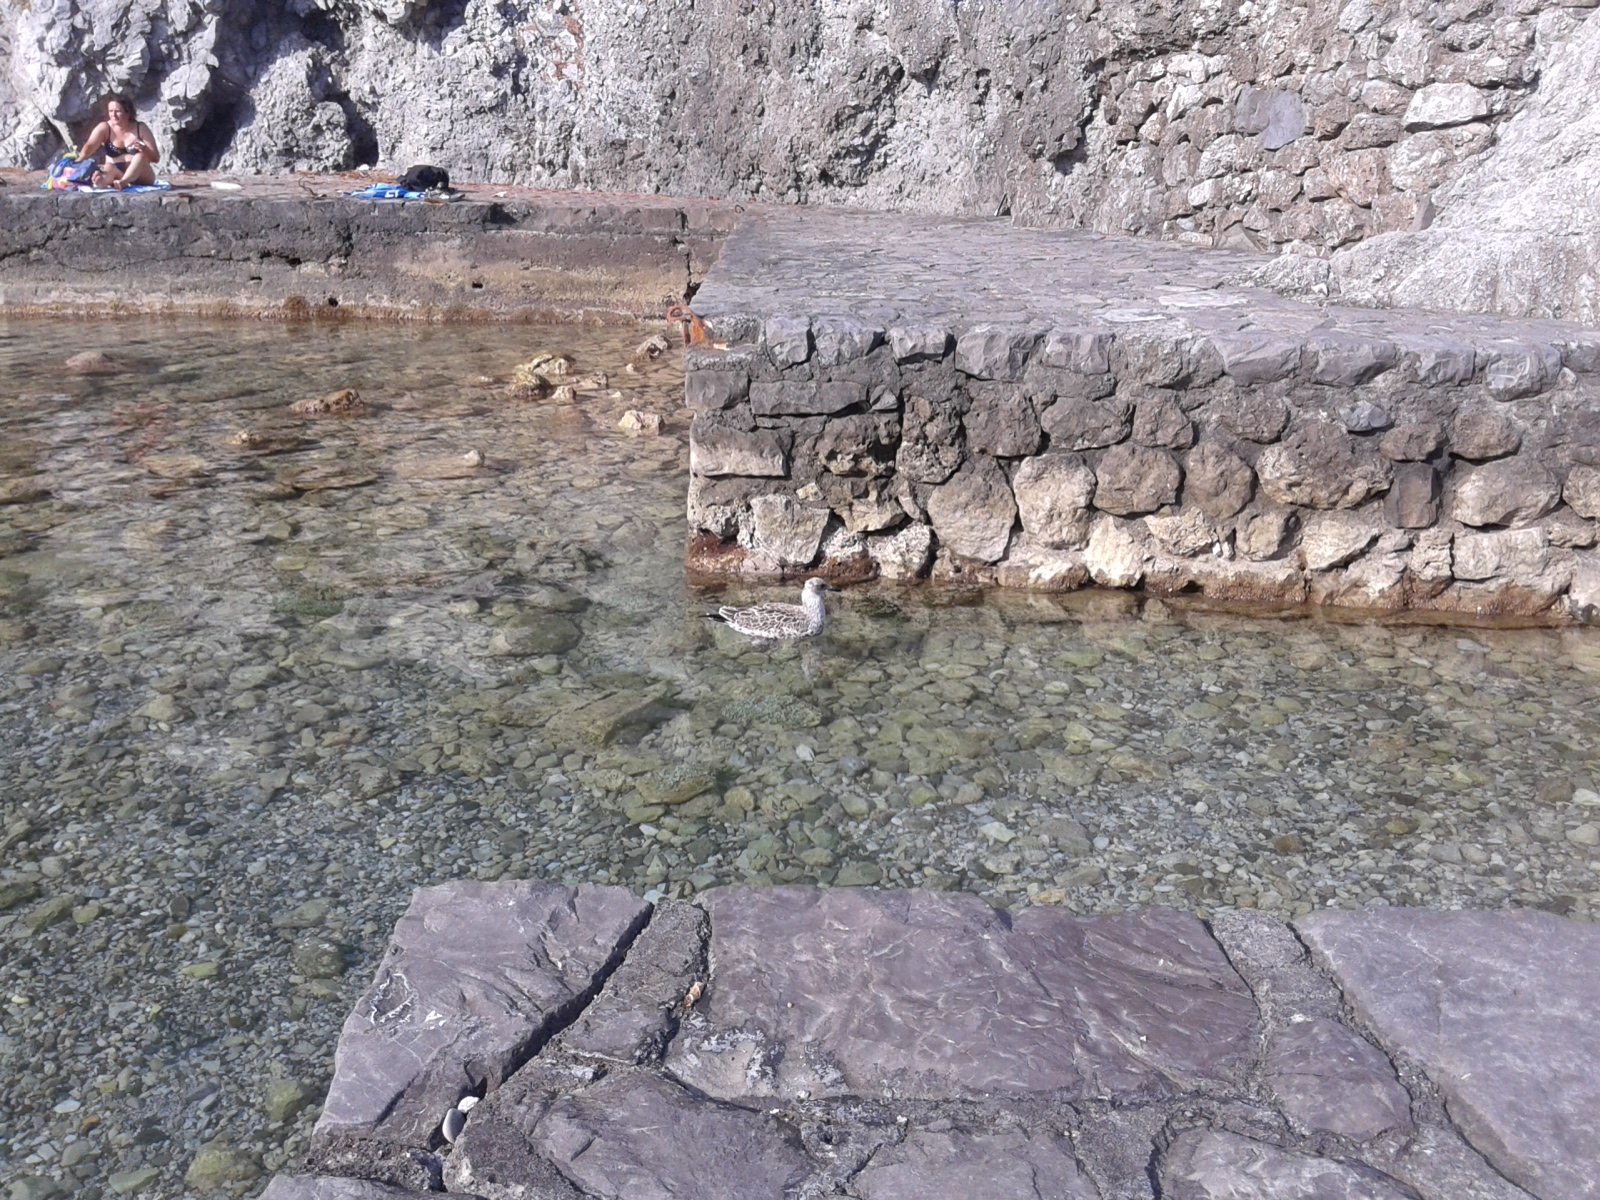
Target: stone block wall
1259, 122
1308, 125
1412, 470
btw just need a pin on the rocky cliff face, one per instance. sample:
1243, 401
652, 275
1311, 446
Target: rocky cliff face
1521, 227
1247, 123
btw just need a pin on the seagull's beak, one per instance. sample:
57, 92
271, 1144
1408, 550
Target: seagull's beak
831, 588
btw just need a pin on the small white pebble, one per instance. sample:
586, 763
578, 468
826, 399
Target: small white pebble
467, 1103
454, 1122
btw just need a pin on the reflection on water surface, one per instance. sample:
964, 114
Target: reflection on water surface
261, 675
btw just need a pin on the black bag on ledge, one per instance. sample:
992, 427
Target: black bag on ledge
425, 179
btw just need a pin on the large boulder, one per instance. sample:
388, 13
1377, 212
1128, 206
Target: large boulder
1508, 491
1217, 481
1054, 494
974, 511
932, 444
786, 530
1002, 423
1318, 466
1130, 480
1075, 423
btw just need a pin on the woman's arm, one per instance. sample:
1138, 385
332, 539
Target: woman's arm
147, 144
97, 138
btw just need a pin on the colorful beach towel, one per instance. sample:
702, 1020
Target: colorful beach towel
67, 174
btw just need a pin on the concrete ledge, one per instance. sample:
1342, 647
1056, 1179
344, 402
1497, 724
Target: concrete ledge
298, 247
768, 1042
1047, 409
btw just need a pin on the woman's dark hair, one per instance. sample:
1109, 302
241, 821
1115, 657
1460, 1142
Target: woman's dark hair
122, 99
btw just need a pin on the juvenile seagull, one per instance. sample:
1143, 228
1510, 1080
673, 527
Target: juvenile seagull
780, 621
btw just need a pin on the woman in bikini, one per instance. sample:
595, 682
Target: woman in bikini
130, 148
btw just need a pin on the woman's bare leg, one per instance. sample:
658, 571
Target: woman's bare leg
136, 173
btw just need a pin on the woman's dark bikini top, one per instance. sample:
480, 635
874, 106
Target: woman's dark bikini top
114, 151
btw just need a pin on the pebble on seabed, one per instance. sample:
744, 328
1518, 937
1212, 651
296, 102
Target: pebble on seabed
323, 729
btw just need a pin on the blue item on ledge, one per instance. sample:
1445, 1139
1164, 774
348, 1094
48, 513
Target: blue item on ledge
160, 185
387, 191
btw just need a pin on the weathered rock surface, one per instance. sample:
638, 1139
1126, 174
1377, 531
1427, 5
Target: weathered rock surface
1115, 556
973, 512
1332, 539
1318, 466
1054, 493
1214, 1165
786, 530
996, 1166
720, 450
1518, 231
333, 1187
636, 1013
1075, 423
1324, 1075
476, 977
923, 994
1132, 479
1508, 491
891, 1044
635, 1134
1498, 1009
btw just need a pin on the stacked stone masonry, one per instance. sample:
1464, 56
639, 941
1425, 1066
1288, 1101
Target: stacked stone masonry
1046, 410
528, 1041
306, 249
1255, 124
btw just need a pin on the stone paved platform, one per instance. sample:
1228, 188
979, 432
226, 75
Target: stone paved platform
1046, 408
527, 1041
299, 246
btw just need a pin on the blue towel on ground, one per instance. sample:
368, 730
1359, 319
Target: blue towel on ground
160, 185
387, 191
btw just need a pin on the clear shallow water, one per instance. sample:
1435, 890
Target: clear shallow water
251, 696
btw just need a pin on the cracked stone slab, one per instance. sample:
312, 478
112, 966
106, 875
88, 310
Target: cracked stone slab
1499, 1010
331, 1187
937, 996
1206, 1164
636, 1135
952, 1165
636, 1013
476, 977
1324, 1075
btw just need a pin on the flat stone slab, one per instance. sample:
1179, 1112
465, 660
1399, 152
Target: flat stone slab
795, 1042
1211, 1165
333, 1187
1503, 1012
935, 1164
938, 996
476, 978
637, 1135
918, 280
